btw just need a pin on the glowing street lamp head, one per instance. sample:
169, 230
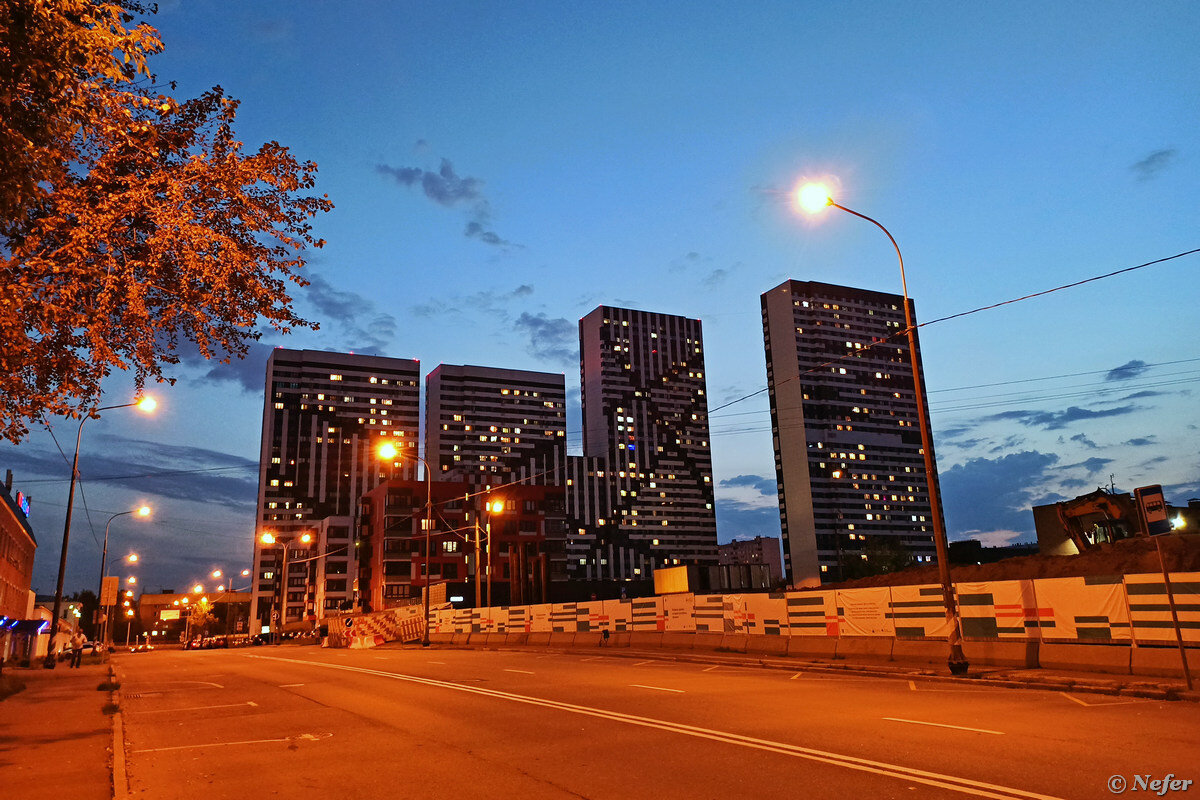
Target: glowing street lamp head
147, 404
387, 451
197, 589
267, 538
245, 573
216, 573
144, 511
132, 558
813, 198
496, 507
306, 538
131, 579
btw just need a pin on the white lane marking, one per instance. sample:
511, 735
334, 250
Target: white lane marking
643, 663
655, 688
307, 737
592, 658
439, 663
289, 685
940, 725
131, 686
912, 685
941, 780
710, 669
1094, 705
519, 671
797, 675
193, 708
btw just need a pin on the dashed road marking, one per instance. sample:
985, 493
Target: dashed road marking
940, 725
192, 708
655, 688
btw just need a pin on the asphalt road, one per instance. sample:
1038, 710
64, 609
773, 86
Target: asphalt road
433, 723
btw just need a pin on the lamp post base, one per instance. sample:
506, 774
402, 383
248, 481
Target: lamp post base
958, 666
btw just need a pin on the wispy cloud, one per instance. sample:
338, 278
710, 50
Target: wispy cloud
346, 308
449, 189
1127, 371
1150, 166
550, 339
1083, 439
765, 486
1057, 420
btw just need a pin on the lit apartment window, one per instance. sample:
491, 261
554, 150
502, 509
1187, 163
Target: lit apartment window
335, 377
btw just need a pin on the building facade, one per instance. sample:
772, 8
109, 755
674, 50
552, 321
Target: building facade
501, 543
487, 426
324, 416
845, 428
760, 550
641, 497
17, 547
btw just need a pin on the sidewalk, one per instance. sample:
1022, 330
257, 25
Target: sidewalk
56, 735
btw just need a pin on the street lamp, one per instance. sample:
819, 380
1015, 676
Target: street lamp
144, 511
146, 404
269, 538
493, 507
814, 198
388, 452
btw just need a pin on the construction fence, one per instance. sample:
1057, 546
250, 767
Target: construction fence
1130, 610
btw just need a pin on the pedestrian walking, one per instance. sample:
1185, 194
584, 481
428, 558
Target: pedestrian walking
77, 642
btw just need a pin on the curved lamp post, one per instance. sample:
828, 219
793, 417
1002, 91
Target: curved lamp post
269, 538
144, 511
814, 198
388, 452
146, 404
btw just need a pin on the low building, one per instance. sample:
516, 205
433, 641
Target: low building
17, 546
521, 526
761, 550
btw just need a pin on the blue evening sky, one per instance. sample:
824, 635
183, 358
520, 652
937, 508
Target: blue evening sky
499, 170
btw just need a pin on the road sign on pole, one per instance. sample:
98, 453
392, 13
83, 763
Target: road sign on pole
108, 590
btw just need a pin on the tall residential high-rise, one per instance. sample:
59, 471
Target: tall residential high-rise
848, 459
323, 415
642, 495
489, 426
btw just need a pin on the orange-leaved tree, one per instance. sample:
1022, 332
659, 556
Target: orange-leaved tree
132, 224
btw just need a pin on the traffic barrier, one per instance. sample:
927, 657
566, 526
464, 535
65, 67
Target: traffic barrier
735, 642
868, 647
1164, 662
680, 640
767, 645
1112, 658
812, 647
645, 639
1001, 653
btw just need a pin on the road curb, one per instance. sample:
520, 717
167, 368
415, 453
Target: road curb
1043, 683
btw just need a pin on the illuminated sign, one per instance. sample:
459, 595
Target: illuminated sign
23, 503
1153, 508
168, 614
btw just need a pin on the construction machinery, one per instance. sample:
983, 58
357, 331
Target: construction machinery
1099, 517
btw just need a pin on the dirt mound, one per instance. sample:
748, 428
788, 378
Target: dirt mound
1181, 553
